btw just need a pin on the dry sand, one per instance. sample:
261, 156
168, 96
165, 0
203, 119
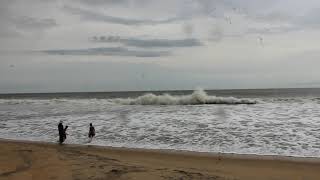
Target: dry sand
34, 160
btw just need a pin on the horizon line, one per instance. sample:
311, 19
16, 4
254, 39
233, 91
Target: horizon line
172, 90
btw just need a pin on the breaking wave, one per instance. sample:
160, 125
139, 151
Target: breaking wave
197, 97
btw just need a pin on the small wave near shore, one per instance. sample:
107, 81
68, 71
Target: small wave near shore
196, 98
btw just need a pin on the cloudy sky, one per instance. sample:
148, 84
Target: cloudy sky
119, 45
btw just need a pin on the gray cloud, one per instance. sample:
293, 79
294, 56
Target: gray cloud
103, 2
163, 43
12, 16
188, 29
9, 32
272, 30
107, 51
311, 18
18, 24
238, 24
216, 34
95, 16
307, 19
273, 16
268, 12
148, 43
19, 27
33, 23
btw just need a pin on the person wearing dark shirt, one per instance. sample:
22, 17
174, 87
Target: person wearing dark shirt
65, 133
92, 131
61, 132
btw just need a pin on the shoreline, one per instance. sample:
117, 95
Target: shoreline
175, 152
42, 160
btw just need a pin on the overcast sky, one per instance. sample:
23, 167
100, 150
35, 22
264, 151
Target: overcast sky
120, 45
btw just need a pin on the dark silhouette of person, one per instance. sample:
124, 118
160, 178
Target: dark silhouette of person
92, 131
61, 132
65, 133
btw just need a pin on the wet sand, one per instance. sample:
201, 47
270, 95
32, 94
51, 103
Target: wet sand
34, 160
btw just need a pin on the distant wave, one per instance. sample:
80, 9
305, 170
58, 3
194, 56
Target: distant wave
197, 97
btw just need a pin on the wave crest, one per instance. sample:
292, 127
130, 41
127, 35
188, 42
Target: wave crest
197, 97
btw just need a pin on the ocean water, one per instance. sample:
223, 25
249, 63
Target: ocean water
270, 121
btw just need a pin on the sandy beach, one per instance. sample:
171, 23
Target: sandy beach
36, 160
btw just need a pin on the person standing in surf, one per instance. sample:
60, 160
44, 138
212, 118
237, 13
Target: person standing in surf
61, 132
65, 133
92, 132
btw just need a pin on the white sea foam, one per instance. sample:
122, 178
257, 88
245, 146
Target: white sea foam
197, 97
277, 125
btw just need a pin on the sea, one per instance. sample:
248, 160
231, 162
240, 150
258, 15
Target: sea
282, 122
